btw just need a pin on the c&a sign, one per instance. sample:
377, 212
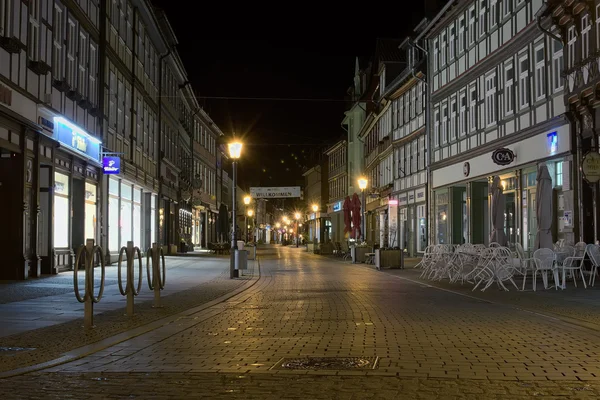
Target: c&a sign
503, 156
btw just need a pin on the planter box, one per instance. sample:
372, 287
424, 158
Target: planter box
327, 248
360, 254
390, 259
310, 247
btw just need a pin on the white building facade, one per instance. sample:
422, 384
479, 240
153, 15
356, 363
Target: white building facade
85, 152
497, 109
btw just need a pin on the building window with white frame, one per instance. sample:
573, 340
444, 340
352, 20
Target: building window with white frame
524, 81
443, 47
472, 25
82, 63
444, 123
462, 114
436, 128
413, 102
461, 34
6, 16
571, 41
71, 51
509, 88
473, 108
586, 27
58, 33
452, 43
557, 66
33, 38
453, 115
490, 99
540, 73
419, 98
93, 75
436, 55
493, 14
507, 7
482, 18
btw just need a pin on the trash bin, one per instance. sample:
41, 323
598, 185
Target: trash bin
251, 252
241, 260
240, 244
353, 254
377, 258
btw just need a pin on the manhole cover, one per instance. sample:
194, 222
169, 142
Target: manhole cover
4, 350
329, 363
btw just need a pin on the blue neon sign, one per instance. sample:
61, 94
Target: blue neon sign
76, 139
552, 142
111, 165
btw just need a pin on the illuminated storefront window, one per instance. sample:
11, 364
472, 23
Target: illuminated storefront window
61, 210
90, 211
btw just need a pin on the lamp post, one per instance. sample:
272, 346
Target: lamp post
315, 209
362, 184
297, 216
235, 151
247, 200
250, 214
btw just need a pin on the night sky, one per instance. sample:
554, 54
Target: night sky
302, 61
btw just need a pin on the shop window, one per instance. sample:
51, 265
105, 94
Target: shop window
61, 210
90, 211
441, 209
558, 174
422, 229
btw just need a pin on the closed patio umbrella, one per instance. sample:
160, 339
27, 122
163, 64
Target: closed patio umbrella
497, 213
543, 198
347, 219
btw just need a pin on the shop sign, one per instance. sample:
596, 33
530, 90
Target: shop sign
590, 167
5, 95
411, 197
503, 156
403, 199
111, 165
420, 195
466, 169
76, 139
337, 206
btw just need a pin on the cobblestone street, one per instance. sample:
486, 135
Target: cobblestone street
422, 342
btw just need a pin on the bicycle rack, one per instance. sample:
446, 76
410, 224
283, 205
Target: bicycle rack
155, 282
132, 252
89, 251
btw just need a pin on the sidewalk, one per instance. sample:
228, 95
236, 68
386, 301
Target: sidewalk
576, 305
39, 303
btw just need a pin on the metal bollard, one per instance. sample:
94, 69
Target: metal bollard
130, 291
155, 282
89, 251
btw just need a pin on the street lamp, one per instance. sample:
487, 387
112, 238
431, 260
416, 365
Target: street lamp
297, 216
235, 151
247, 200
362, 184
250, 214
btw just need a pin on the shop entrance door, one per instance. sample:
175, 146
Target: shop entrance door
510, 225
410, 230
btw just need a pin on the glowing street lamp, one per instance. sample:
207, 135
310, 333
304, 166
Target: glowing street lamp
247, 200
235, 152
297, 217
315, 207
362, 184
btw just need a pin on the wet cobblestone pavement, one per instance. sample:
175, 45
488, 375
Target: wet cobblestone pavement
429, 343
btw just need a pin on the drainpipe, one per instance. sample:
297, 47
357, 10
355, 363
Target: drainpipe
428, 196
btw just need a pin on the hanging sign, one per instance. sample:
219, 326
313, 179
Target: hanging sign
111, 165
503, 156
275, 192
590, 167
